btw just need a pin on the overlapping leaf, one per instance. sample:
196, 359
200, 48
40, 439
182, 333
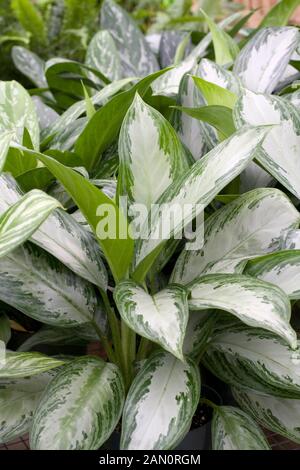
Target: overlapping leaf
135, 54
42, 288
22, 219
280, 415
250, 226
281, 268
63, 237
280, 150
233, 429
162, 318
160, 403
263, 60
151, 155
196, 188
80, 407
256, 303
247, 357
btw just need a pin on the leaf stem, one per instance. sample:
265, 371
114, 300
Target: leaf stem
115, 328
129, 350
208, 403
105, 343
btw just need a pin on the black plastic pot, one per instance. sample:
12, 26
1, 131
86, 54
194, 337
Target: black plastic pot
196, 439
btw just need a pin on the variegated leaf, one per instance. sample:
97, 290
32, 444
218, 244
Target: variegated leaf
46, 115
280, 415
169, 42
42, 288
135, 54
290, 240
18, 400
255, 177
5, 140
281, 268
191, 131
294, 98
160, 403
17, 112
233, 429
280, 153
250, 226
25, 364
30, 64
151, 155
168, 84
103, 55
80, 407
79, 108
22, 219
63, 237
263, 60
214, 73
198, 332
256, 303
248, 357
162, 318
197, 187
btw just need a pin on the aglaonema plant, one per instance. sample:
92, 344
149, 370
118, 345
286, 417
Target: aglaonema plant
159, 234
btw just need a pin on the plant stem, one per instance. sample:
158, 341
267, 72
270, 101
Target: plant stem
105, 343
208, 403
129, 351
115, 328
143, 349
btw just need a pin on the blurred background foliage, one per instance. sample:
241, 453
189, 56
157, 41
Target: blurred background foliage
63, 28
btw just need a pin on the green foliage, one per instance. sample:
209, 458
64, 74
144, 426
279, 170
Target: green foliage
153, 210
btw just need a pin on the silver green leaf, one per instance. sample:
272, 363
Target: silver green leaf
262, 62
25, 364
248, 357
280, 415
162, 318
214, 73
280, 153
255, 302
5, 140
22, 219
198, 332
197, 187
252, 225
151, 155
281, 268
62, 237
103, 56
30, 64
233, 429
46, 115
41, 287
17, 112
191, 131
80, 407
18, 400
135, 53
160, 403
